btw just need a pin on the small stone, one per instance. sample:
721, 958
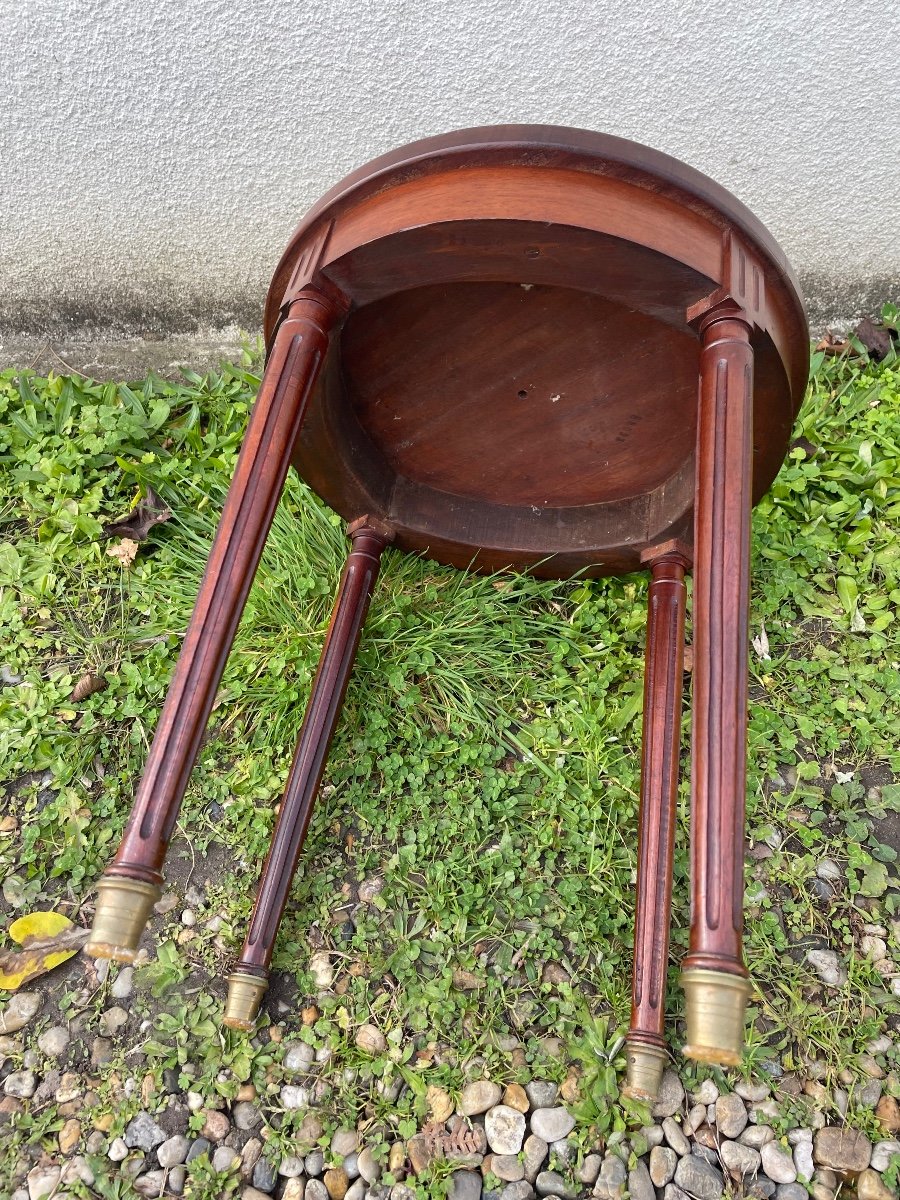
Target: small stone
611, 1181
765, 1111
199, 1146
20, 1084
336, 1183
478, 1097
246, 1116
828, 870
464, 1185
369, 1167
69, 1088
695, 1118
505, 1129
315, 1190
298, 1057
356, 1190
882, 1153
803, 1158
778, 1163
674, 1136
515, 1096
396, 1158
173, 1151
264, 1176
870, 1067
753, 1093
663, 1162
739, 1160
761, 1188
53, 1041
639, 1184
113, 1020
706, 1093
321, 970
828, 967
552, 1124
315, 1162
589, 1169
699, 1178
757, 1136
507, 1167
518, 1191
819, 1191
869, 1094
731, 1115
293, 1097
215, 1126
551, 1183
652, 1134
541, 1093
535, 1151
151, 1185
123, 984
117, 1150
370, 1040
224, 1158
440, 1103
790, 1191
670, 1097
250, 1156
706, 1136
842, 1149
42, 1181
673, 1192
251, 1193
143, 1133
344, 1142
870, 1186
69, 1136
21, 1009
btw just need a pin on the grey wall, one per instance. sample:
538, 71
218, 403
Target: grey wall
154, 156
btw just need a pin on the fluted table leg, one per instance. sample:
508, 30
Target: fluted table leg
248, 982
714, 977
663, 668
131, 884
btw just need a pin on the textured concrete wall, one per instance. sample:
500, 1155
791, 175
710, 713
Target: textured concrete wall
155, 156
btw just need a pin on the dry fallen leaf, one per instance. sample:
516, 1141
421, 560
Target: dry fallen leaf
47, 939
124, 551
88, 685
148, 511
875, 338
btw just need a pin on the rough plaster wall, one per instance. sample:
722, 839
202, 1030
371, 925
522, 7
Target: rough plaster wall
155, 156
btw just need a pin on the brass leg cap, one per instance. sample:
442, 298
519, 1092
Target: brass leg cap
715, 1005
120, 916
645, 1070
245, 993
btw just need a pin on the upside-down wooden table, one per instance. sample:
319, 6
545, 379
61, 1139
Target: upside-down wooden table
530, 348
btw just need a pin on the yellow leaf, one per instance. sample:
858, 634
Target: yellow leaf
38, 924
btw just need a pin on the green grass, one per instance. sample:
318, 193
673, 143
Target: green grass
487, 761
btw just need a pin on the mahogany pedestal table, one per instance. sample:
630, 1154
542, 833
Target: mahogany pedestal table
526, 348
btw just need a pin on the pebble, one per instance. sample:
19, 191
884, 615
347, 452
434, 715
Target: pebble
321, 970
535, 1151
699, 1178
695, 1118
552, 1124
670, 1096
117, 1150
368, 1167
778, 1163
315, 1190
518, 1191
224, 1158
790, 1191
541, 1093
505, 1129
251, 1193
336, 1182
315, 1162
882, 1152
42, 1181
372, 1041
113, 1020
675, 1137
356, 1190
21, 1009
803, 1159
53, 1041
757, 1136
264, 1176
20, 1084
706, 1093
508, 1167
639, 1185
731, 1115
69, 1088
291, 1166
842, 1149
828, 967
478, 1097
216, 1125
611, 1181
551, 1183
652, 1134
663, 1162
143, 1133
739, 1160
246, 1116
344, 1142
464, 1185
870, 1186
293, 1097
294, 1189
298, 1057
516, 1097
69, 1136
